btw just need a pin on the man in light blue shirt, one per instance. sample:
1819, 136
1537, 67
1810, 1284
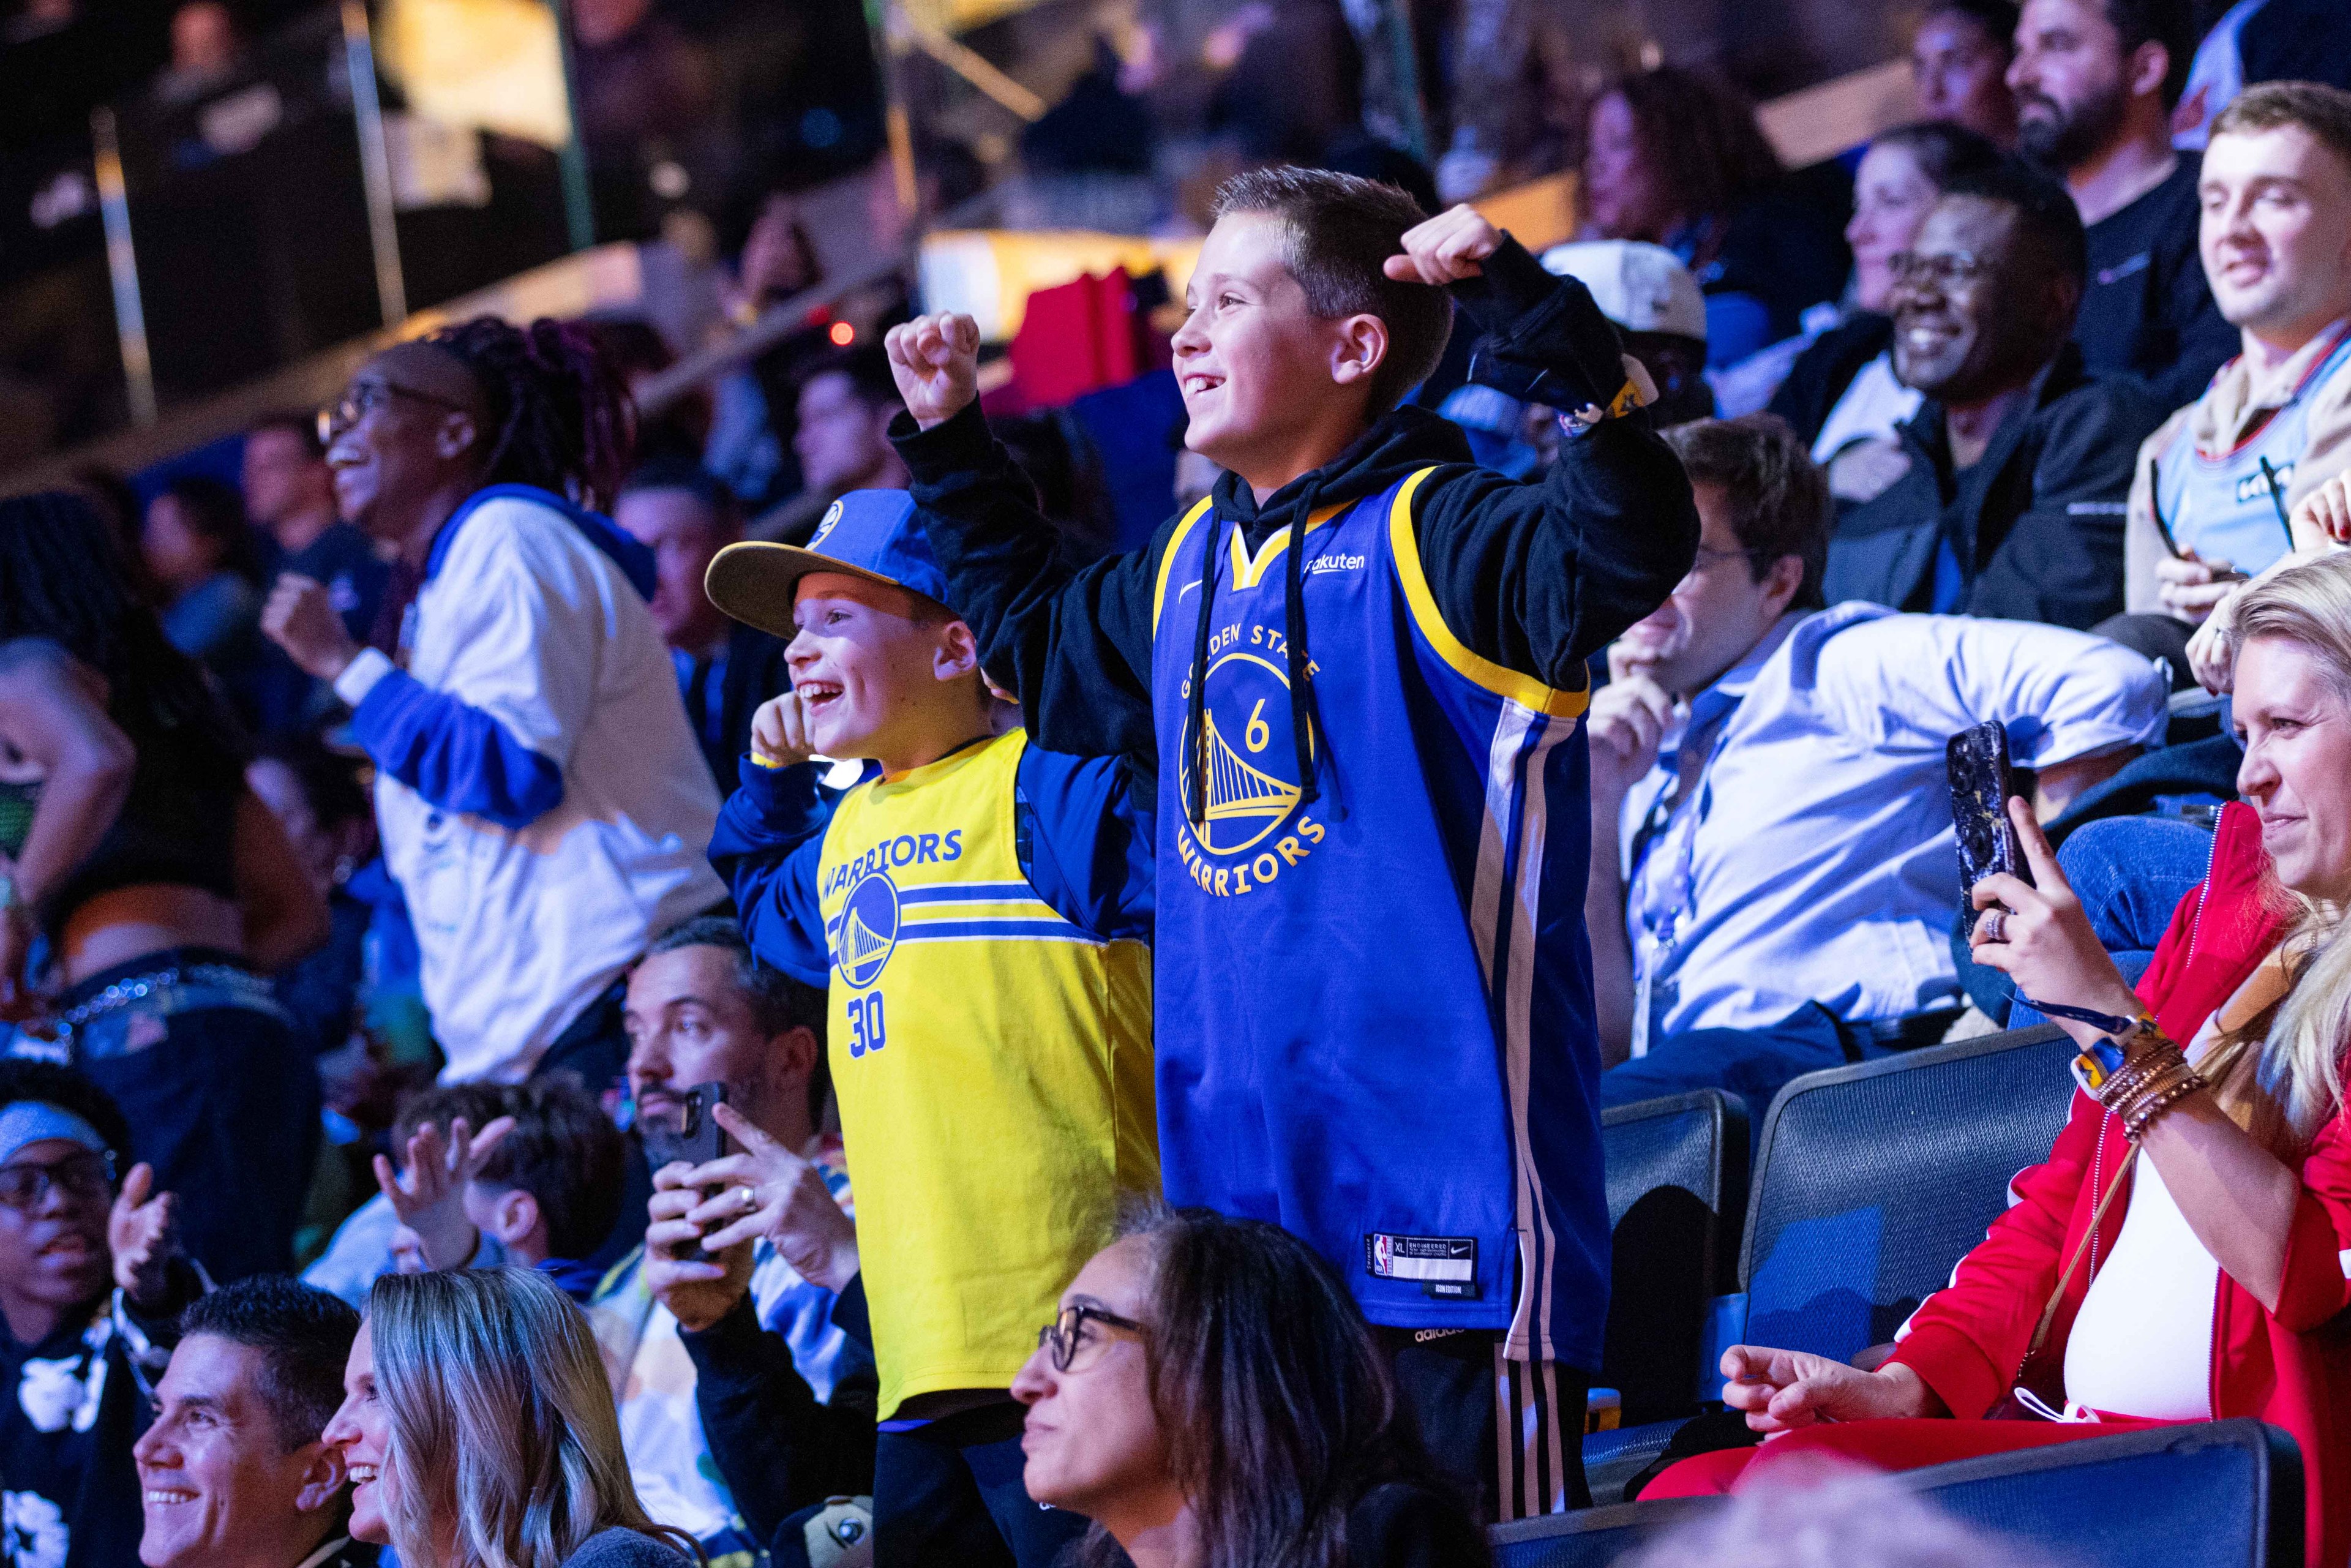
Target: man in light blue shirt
1773, 873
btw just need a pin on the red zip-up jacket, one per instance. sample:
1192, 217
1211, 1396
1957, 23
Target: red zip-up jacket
2292, 1368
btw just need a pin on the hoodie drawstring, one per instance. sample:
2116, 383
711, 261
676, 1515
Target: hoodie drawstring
1196, 725
1293, 632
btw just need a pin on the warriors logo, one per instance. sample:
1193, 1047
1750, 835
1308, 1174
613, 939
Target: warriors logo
868, 932
831, 517
1250, 754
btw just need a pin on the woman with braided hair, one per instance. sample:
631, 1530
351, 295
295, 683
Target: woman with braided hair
165, 888
542, 799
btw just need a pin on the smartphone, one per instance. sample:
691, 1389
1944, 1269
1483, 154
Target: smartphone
1977, 761
691, 1133
2171, 545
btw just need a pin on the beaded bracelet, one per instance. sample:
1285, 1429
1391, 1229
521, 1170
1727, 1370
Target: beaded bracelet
2144, 1114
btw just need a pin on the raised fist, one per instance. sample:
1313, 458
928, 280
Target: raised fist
935, 359
1447, 249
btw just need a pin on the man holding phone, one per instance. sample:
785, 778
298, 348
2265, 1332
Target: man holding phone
1773, 871
748, 1277
2218, 481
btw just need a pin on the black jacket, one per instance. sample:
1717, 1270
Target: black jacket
2037, 525
1535, 576
1826, 368
777, 1447
753, 673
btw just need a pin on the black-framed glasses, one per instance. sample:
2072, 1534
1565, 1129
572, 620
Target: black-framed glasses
364, 399
1066, 1337
86, 1174
1943, 270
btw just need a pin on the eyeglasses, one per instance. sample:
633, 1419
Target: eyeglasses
1751, 554
364, 399
1942, 271
1066, 1335
26, 1186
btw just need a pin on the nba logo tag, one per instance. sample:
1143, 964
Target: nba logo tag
1383, 1256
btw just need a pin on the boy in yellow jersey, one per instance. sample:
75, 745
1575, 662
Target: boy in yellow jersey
980, 910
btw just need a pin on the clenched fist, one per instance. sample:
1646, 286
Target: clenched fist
935, 359
300, 618
1447, 249
779, 733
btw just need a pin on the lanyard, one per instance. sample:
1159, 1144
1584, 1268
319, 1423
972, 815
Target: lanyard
1678, 815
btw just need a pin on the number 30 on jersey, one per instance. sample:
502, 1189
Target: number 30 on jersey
867, 1031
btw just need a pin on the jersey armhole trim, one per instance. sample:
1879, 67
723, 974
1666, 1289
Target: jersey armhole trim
1167, 557
1523, 689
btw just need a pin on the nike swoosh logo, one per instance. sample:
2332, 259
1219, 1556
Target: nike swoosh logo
1187, 588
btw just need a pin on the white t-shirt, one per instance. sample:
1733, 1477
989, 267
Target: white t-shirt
2142, 1344
1872, 404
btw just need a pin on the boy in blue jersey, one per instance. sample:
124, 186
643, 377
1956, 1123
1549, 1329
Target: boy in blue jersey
980, 909
1377, 1026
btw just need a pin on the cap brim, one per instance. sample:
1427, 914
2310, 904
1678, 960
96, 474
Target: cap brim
755, 582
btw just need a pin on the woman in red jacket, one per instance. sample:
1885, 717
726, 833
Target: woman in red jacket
2185, 1253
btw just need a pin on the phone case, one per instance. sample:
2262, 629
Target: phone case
1977, 760
697, 1139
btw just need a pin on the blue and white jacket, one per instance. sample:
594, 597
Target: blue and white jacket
541, 797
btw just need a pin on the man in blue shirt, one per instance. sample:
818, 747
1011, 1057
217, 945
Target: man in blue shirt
1773, 873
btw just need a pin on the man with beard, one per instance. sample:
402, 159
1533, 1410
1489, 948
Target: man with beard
2096, 81
2020, 457
1773, 871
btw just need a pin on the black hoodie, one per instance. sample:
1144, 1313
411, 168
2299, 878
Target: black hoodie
1534, 575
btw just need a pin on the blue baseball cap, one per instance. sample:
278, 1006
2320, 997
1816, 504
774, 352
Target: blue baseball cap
872, 534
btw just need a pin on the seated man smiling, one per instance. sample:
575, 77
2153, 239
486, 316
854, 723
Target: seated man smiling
233, 1470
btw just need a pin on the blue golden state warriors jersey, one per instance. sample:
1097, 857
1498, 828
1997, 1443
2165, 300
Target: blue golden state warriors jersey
1378, 1028
2222, 504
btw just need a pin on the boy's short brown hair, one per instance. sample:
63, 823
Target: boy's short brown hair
1341, 230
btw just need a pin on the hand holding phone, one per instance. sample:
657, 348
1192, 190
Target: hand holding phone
690, 1135
1977, 761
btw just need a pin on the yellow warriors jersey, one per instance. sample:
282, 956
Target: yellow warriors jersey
993, 1065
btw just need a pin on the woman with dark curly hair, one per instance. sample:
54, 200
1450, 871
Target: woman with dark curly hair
1211, 1395
165, 888
1675, 157
540, 794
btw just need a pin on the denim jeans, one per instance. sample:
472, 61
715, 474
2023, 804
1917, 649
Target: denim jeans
2130, 873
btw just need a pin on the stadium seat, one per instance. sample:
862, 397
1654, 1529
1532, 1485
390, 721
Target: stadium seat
1873, 1180
1592, 1538
2218, 1494
1677, 1174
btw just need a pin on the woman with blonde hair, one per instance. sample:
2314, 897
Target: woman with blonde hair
2181, 1255
478, 1431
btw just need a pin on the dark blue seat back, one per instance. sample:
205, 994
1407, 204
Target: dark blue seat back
1592, 1538
1676, 1173
1873, 1180
2216, 1494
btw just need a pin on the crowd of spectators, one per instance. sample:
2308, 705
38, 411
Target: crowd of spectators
820, 1017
